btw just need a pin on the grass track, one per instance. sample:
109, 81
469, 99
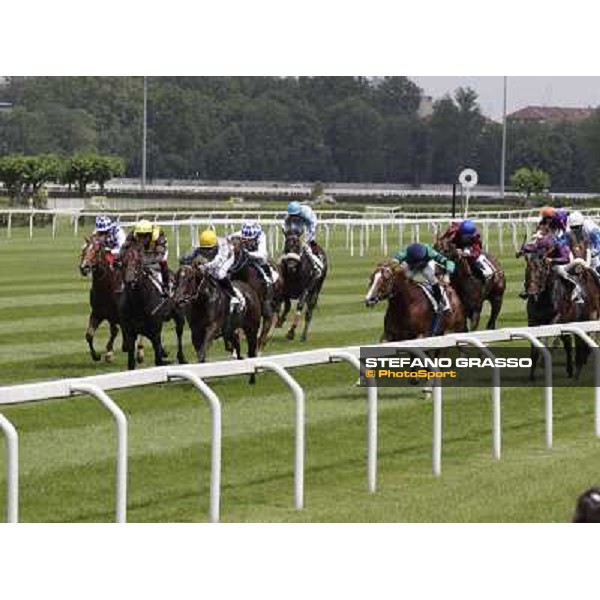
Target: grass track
67, 446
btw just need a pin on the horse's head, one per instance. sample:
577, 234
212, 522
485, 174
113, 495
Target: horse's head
132, 256
381, 282
292, 244
187, 282
537, 274
91, 254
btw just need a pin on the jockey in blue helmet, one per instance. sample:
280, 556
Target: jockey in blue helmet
112, 234
301, 218
421, 260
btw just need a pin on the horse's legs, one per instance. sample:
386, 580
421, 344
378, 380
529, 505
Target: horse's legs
139, 355
251, 338
129, 347
475, 317
93, 324
568, 345
114, 331
157, 346
179, 327
287, 305
495, 305
299, 308
308, 317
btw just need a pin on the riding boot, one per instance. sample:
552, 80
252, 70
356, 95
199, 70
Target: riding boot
235, 303
164, 272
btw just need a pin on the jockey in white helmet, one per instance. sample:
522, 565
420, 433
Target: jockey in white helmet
300, 219
111, 233
254, 241
584, 229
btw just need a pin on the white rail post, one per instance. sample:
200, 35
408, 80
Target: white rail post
177, 241
54, 217
351, 240
12, 470
300, 420
496, 409
437, 429
31, 225
596, 352
362, 240
548, 391
326, 237
121, 423
9, 225
215, 452
371, 419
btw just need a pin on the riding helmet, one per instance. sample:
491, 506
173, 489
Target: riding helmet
294, 208
467, 227
143, 226
416, 253
547, 211
103, 223
251, 231
208, 239
576, 219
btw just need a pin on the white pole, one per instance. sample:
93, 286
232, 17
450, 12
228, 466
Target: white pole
12, 470
121, 422
300, 420
371, 420
437, 428
215, 453
144, 133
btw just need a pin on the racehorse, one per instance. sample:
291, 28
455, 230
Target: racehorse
472, 291
243, 269
143, 309
209, 315
409, 314
549, 301
299, 283
106, 286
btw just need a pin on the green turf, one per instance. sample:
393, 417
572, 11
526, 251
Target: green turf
67, 447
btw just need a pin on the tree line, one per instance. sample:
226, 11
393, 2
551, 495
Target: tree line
347, 129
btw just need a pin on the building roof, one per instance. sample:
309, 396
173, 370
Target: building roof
550, 114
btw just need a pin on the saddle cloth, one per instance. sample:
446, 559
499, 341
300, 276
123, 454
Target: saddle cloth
429, 294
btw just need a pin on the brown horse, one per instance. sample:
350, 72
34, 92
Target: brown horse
106, 286
300, 282
472, 291
209, 315
245, 269
409, 313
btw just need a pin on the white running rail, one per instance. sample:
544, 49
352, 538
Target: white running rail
100, 384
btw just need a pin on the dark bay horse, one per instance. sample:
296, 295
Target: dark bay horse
143, 309
549, 301
106, 287
244, 269
472, 291
300, 282
409, 314
209, 313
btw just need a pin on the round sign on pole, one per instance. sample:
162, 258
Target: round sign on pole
468, 178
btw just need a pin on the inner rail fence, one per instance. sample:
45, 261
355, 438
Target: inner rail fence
99, 386
363, 231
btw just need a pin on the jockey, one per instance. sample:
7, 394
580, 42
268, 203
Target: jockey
303, 215
421, 260
585, 230
219, 254
555, 250
156, 250
467, 240
112, 235
254, 241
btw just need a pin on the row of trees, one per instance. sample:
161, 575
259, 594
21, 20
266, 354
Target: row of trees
288, 128
24, 176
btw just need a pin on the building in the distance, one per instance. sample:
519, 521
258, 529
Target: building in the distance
549, 114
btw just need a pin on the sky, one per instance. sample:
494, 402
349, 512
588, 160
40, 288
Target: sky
521, 91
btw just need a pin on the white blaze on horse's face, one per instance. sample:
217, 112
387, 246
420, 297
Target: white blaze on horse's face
372, 299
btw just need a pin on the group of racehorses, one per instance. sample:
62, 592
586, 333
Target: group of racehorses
128, 297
